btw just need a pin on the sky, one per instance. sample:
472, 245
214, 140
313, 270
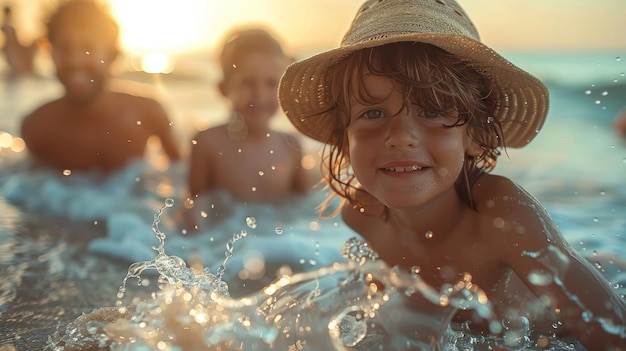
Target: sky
172, 26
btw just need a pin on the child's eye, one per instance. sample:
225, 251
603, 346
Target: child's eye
372, 114
432, 113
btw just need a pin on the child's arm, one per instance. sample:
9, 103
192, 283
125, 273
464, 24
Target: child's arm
555, 272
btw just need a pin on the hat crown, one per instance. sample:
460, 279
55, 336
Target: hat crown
378, 19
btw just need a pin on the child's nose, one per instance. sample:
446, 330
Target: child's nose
402, 132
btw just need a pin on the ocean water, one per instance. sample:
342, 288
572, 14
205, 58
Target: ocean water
67, 242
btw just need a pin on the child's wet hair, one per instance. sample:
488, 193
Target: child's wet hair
85, 13
241, 42
431, 78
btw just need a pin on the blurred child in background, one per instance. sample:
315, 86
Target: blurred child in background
245, 157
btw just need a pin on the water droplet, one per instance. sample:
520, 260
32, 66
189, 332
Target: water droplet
605, 93
169, 202
540, 278
314, 225
251, 222
279, 230
67, 172
588, 92
429, 234
350, 327
261, 173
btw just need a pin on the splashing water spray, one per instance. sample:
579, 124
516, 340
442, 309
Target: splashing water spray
174, 270
360, 304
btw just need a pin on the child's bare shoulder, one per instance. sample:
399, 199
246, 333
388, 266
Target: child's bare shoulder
365, 215
217, 135
505, 207
499, 195
290, 140
490, 187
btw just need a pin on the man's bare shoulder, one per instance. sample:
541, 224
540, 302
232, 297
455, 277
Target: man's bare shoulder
48, 115
47, 110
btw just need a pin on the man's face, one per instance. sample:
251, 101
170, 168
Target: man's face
82, 61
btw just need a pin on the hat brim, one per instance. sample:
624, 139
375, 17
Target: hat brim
522, 100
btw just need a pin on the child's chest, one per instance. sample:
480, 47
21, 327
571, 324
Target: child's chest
443, 260
270, 158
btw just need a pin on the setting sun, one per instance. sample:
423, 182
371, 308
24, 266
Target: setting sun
162, 25
174, 26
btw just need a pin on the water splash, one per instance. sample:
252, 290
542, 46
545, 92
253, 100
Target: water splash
361, 304
556, 265
174, 270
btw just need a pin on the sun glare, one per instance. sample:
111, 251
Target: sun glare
162, 26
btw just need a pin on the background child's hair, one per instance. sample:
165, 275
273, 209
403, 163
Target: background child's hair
244, 41
431, 78
89, 13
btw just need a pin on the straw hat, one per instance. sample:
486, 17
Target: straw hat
522, 100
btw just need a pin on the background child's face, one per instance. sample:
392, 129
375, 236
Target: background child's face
82, 60
404, 156
252, 87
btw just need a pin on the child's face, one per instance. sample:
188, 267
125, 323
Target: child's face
405, 157
82, 60
252, 87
